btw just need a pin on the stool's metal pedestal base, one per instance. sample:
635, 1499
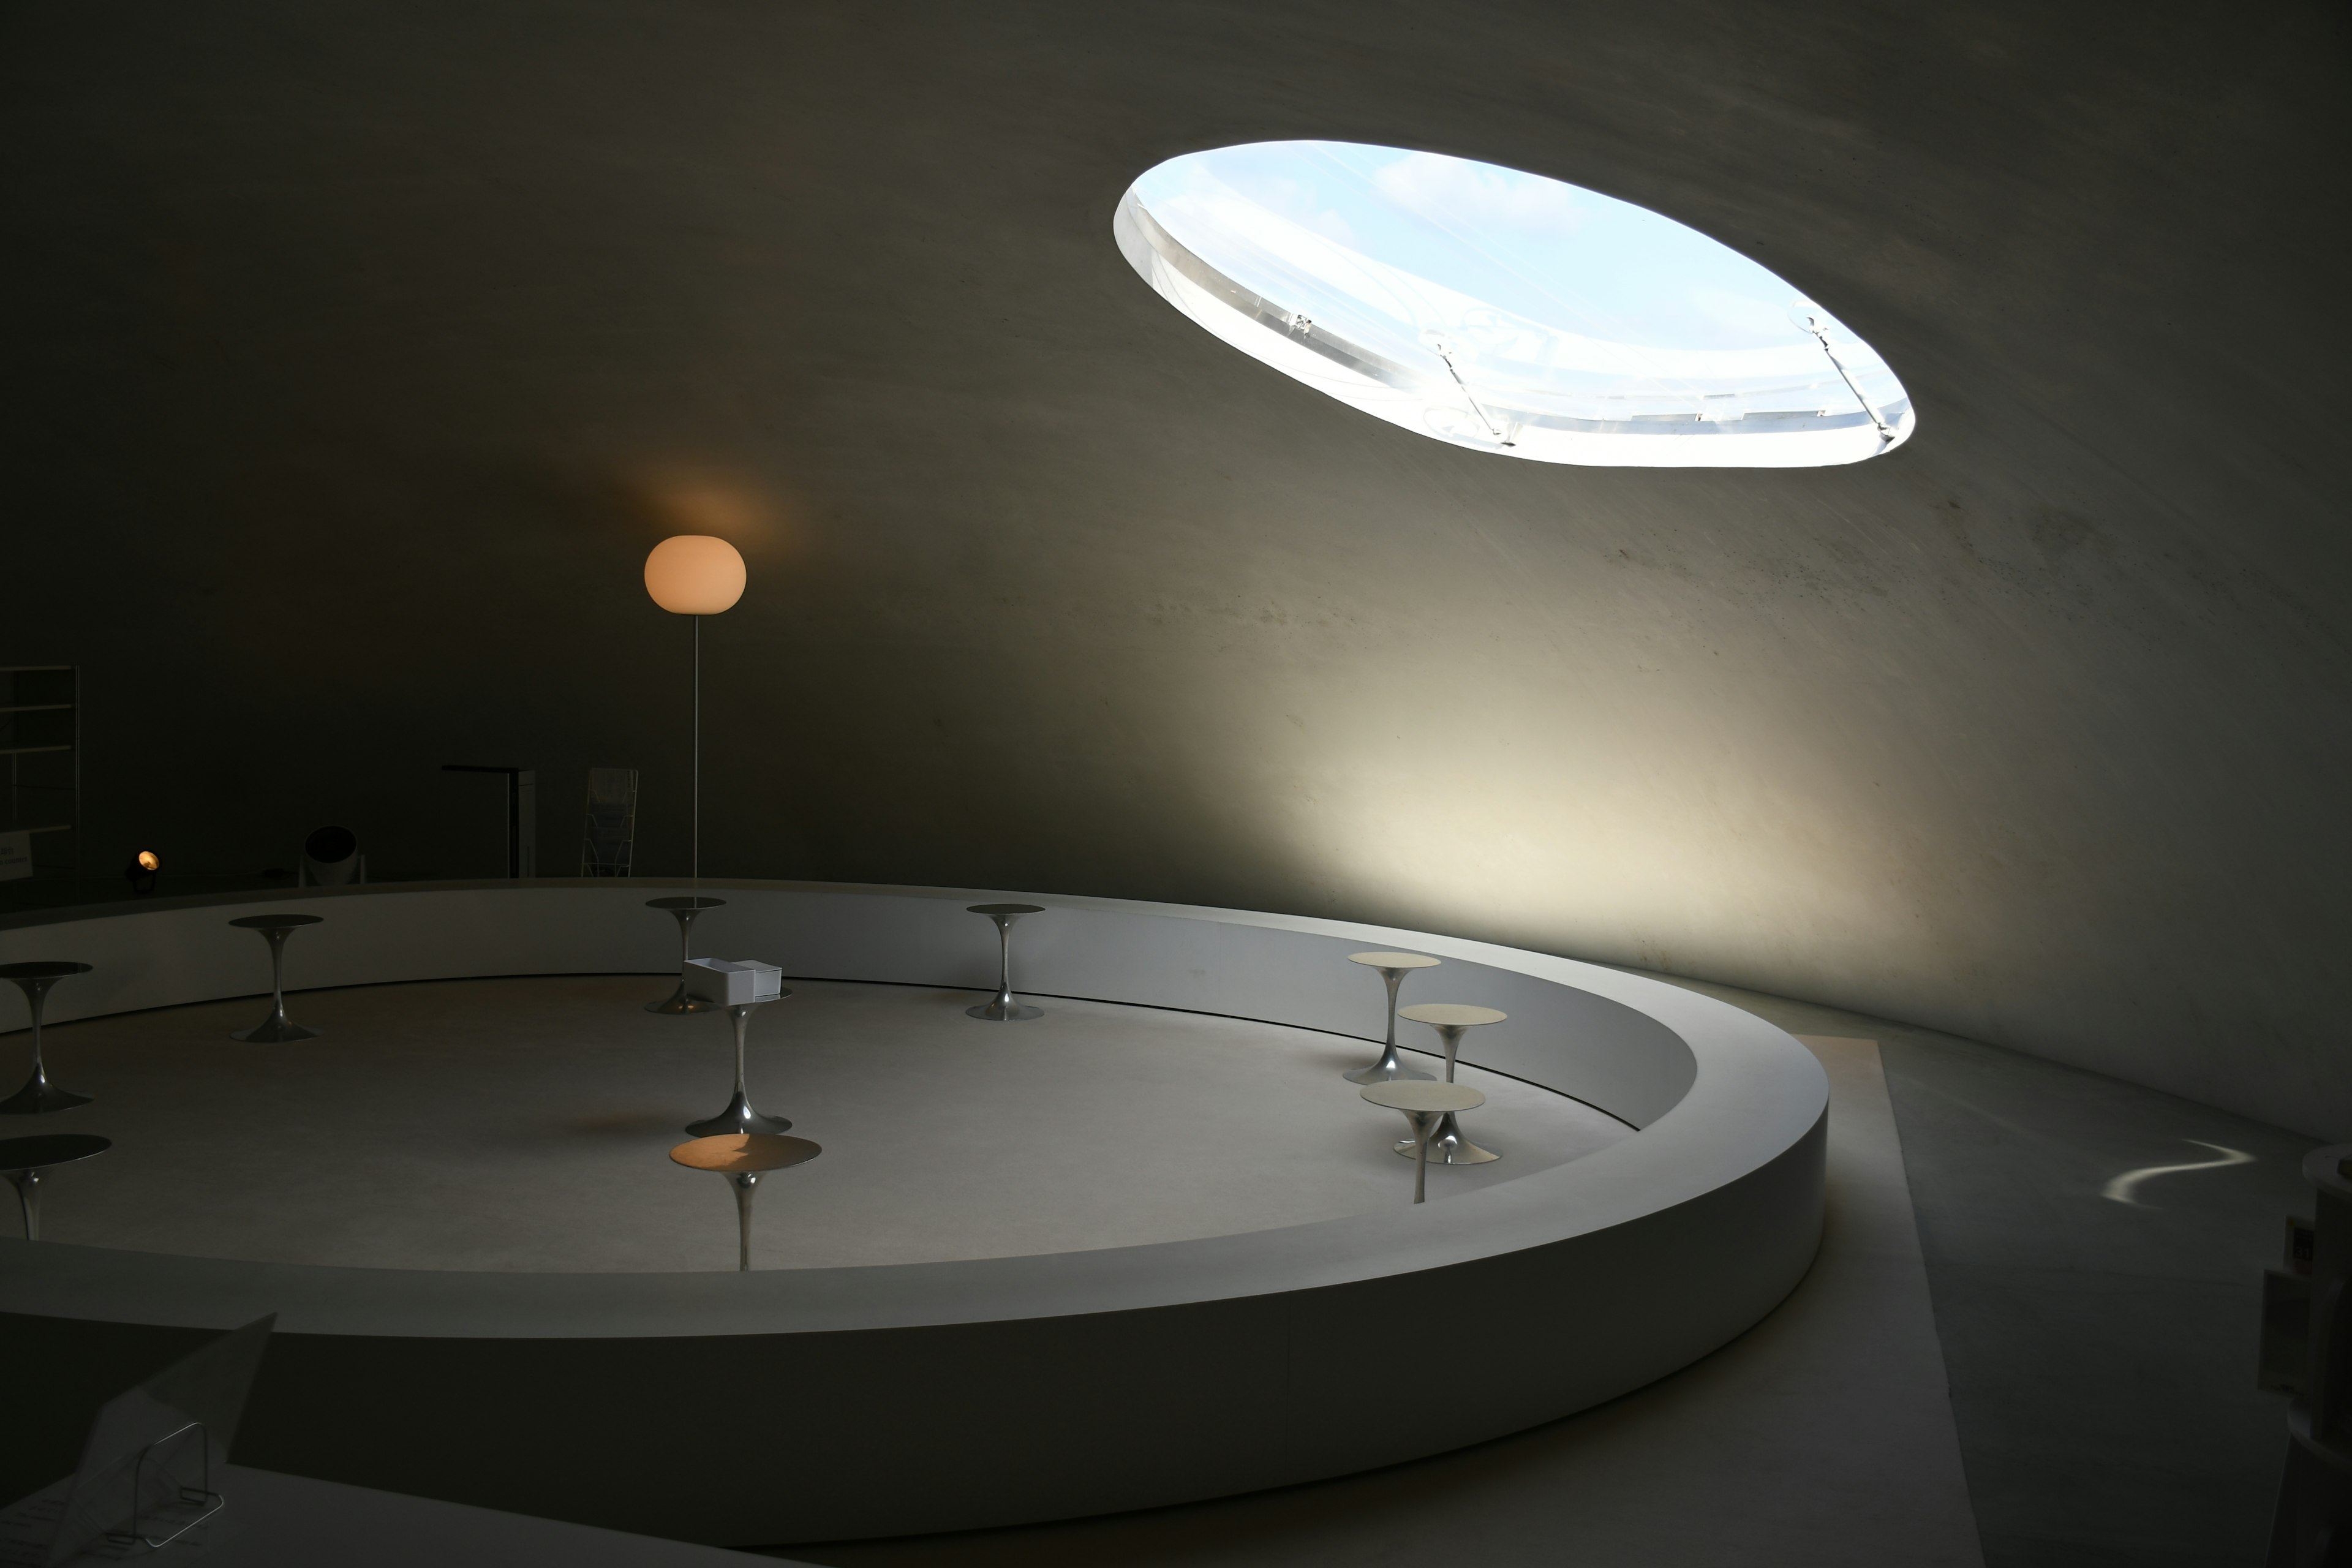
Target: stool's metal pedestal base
1448, 1147
681, 1001
1388, 1070
738, 1116
39, 1096
1006, 1008
277, 1029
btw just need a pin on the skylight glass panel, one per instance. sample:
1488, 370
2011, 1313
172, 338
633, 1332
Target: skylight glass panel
1506, 312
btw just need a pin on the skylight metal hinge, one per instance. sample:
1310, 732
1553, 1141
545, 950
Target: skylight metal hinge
1437, 344
1809, 319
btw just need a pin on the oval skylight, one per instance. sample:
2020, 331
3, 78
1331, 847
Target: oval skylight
1506, 312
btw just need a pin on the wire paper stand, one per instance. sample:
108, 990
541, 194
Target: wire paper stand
200, 1497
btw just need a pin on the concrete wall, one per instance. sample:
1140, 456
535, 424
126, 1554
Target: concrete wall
358, 354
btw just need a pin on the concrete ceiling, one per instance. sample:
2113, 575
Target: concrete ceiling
357, 353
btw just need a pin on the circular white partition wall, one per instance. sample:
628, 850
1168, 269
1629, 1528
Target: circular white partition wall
816, 1403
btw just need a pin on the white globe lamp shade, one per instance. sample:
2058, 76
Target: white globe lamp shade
695, 575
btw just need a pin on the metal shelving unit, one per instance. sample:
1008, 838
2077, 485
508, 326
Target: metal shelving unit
40, 737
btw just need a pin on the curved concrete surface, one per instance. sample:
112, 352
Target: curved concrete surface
379, 343
526, 1124
896, 1399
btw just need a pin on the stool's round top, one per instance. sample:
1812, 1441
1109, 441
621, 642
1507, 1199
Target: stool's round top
675, 904
47, 1149
744, 1151
1005, 908
42, 969
276, 922
1394, 960
1404, 1094
1450, 1013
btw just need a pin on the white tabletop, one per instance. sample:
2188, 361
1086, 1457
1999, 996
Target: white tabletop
1405, 1094
1449, 1013
1394, 960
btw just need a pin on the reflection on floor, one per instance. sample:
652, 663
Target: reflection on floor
525, 1124
2100, 1356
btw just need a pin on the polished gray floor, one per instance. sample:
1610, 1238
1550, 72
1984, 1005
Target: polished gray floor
525, 1124
1820, 1438
2099, 1353
2102, 1352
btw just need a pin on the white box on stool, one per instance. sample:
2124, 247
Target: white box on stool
734, 982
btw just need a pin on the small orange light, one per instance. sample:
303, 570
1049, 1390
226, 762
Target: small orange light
148, 860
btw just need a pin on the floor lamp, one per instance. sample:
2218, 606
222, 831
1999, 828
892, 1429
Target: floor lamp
694, 575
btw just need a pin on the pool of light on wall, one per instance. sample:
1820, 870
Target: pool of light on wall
1506, 312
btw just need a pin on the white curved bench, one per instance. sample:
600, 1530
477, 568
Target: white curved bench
834, 1402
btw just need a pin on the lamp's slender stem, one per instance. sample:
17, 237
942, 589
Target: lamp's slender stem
697, 757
